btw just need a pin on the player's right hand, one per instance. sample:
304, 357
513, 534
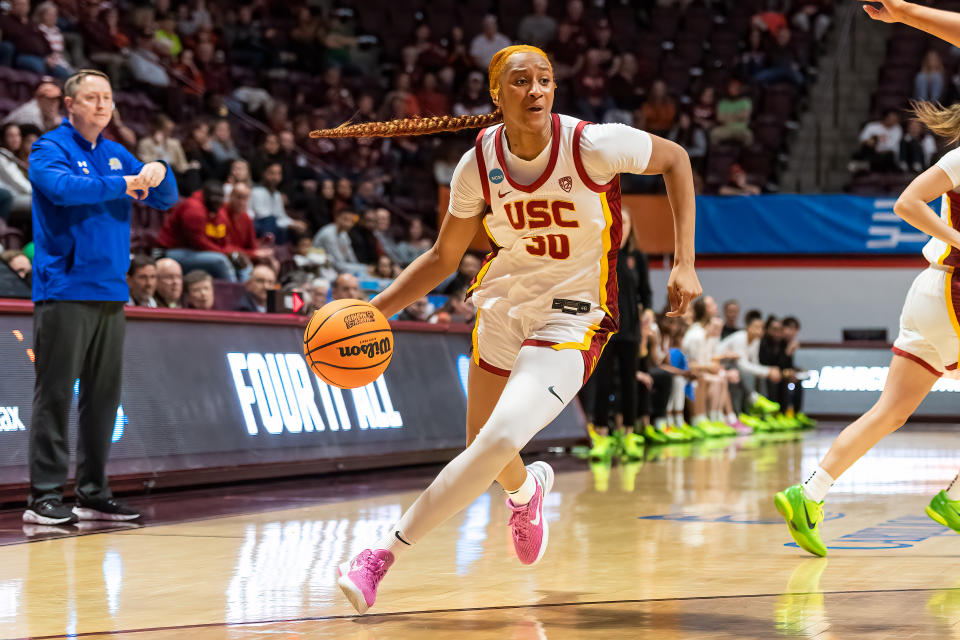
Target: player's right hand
136, 187
891, 11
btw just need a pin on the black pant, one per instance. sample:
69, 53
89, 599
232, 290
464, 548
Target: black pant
623, 353
660, 394
74, 340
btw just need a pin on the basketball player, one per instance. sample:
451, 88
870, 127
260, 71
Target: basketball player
929, 340
546, 295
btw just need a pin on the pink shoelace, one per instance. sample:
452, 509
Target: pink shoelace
373, 565
520, 522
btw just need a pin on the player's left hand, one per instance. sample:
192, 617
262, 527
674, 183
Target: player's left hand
682, 288
152, 174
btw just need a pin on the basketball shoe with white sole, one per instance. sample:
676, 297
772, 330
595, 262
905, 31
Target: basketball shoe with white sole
359, 578
528, 526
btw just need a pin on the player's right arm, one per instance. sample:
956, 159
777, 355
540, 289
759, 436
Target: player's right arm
459, 227
929, 185
938, 22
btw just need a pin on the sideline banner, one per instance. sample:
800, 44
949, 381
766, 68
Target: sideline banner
810, 224
200, 395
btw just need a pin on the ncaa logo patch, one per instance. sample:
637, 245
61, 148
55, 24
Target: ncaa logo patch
566, 183
496, 176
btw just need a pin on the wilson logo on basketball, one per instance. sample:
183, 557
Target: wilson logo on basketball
566, 183
362, 317
369, 349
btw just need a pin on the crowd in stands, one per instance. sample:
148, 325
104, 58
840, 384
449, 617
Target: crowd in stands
893, 147
227, 94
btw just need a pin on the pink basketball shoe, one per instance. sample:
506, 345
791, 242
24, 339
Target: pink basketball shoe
528, 526
360, 578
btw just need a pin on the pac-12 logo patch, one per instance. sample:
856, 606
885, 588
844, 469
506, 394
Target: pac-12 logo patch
115, 164
566, 183
496, 176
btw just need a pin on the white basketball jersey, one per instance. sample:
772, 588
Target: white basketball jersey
554, 241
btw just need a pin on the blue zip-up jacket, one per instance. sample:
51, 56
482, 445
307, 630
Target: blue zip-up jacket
81, 215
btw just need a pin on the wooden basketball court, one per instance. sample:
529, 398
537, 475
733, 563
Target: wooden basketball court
684, 545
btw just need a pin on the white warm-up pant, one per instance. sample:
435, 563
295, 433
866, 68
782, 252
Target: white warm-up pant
541, 383
678, 395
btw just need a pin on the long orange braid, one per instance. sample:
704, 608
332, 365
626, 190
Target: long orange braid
436, 124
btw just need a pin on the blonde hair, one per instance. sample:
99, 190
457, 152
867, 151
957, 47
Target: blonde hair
422, 126
72, 85
942, 121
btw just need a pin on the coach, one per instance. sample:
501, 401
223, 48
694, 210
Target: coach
83, 186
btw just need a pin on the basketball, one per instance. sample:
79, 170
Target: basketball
348, 343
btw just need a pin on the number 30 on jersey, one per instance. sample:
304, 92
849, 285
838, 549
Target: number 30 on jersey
540, 214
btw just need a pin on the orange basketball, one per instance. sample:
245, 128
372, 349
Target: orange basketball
348, 343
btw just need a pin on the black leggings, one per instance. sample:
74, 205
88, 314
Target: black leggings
623, 354
657, 398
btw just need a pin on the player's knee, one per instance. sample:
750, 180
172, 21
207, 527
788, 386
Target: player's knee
498, 440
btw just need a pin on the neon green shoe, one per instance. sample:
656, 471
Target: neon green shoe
806, 421
765, 405
654, 435
759, 425
692, 433
603, 447
945, 511
633, 446
675, 434
803, 517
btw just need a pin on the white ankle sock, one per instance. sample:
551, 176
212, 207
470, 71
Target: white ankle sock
524, 494
700, 417
661, 424
816, 486
394, 542
731, 418
953, 491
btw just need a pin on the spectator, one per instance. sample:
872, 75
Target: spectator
486, 43
474, 99
537, 28
790, 389
42, 111
363, 238
12, 176
169, 283
782, 63
731, 318
468, 270
738, 184
567, 49
29, 135
167, 41
813, 18
704, 112
334, 239
692, 138
195, 84
916, 148
105, 42
733, 116
384, 238
433, 101
754, 59
268, 209
222, 146
144, 63
45, 17
346, 286
161, 145
241, 236
458, 309
261, 281
771, 344
142, 281
385, 268
626, 86
319, 290
239, 173
199, 290
415, 244
590, 86
195, 234
929, 81
418, 311
880, 142
659, 110
201, 164
33, 51
18, 262
744, 346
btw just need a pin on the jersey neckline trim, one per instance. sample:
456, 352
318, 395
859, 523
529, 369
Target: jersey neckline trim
551, 164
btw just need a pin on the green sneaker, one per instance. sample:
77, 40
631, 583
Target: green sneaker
759, 425
654, 435
675, 434
633, 446
603, 447
806, 421
803, 517
692, 433
765, 405
945, 511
